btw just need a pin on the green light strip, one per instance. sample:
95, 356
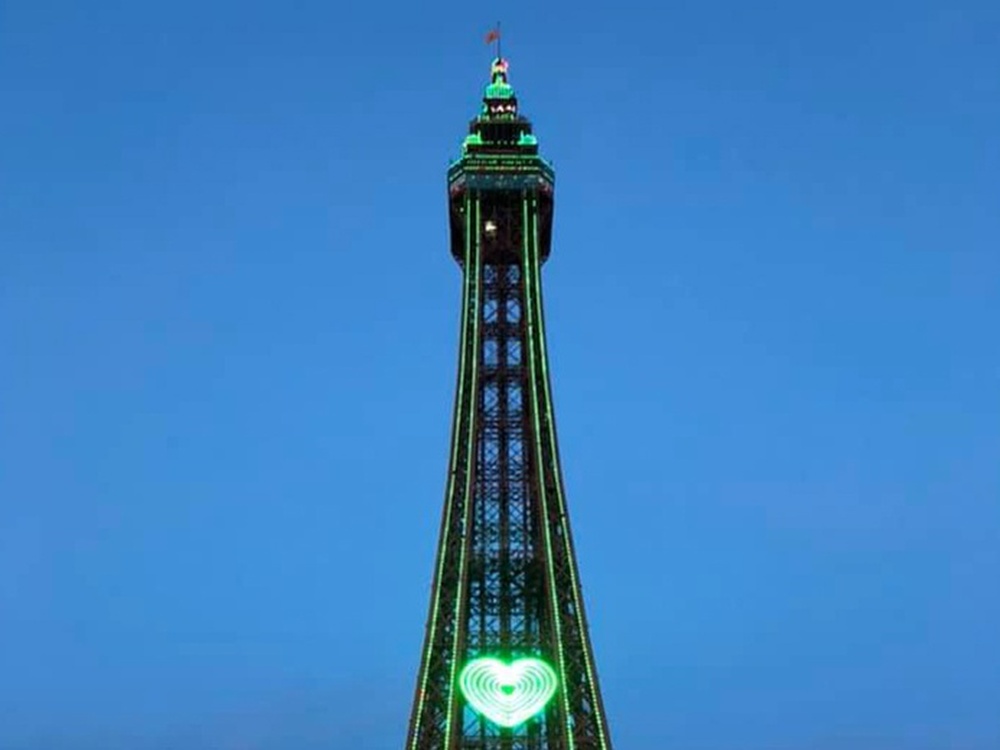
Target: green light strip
560, 498
503, 157
480, 159
449, 495
531, 263
520, 162
469, 472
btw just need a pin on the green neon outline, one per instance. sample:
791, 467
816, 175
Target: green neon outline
560, 499
446, 520
489, 155
530, 263
467, 510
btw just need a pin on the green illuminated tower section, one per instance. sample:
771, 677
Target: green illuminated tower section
507, 662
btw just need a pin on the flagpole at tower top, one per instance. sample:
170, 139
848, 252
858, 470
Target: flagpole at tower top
494, 36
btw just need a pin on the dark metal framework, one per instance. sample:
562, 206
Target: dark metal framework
506, 581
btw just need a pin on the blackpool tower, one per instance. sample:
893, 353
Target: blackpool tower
507, 662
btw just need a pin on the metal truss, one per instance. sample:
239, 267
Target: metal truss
506, 579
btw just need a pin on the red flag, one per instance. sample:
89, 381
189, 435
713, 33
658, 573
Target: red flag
493, 35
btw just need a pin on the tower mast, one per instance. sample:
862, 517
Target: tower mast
507, 662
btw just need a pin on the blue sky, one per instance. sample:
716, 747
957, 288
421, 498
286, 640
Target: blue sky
228, 319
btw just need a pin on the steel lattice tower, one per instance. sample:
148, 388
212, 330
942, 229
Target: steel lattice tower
507, 662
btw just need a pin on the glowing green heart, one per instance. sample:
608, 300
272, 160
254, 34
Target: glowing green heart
508, 694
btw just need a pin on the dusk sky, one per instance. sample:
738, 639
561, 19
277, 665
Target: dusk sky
228, 343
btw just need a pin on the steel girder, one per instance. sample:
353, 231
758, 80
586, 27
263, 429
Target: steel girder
506, 580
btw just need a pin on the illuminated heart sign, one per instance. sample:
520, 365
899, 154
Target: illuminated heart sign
508, 694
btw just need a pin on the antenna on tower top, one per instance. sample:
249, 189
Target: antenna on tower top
494, 36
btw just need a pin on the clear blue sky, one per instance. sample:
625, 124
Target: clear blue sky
228, 323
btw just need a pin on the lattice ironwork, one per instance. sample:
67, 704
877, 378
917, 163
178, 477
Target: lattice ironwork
505, 582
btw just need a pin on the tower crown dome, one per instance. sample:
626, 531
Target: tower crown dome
498, 98
499, 87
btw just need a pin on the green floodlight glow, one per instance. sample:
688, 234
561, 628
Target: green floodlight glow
508, 694
499, 91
